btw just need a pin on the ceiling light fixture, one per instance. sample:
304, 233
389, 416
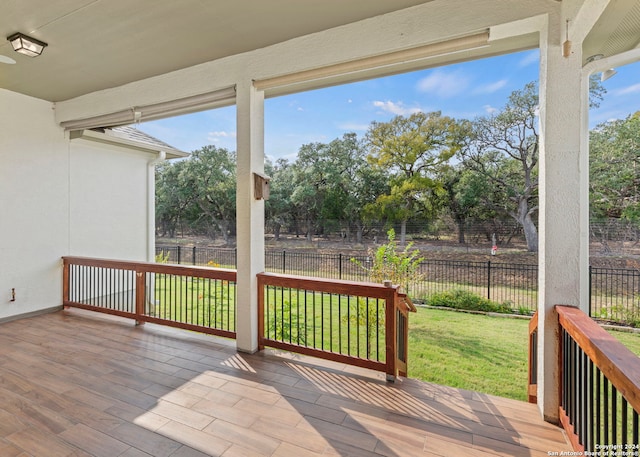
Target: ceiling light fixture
26, 45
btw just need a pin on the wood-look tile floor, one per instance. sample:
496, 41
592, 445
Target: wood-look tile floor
74, 383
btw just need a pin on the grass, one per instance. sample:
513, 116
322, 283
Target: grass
476, 352
469, 351
630, 340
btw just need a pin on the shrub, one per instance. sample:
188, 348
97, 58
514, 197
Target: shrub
398, 266
621, 314
463, 299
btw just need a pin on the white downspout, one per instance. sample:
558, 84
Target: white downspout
151, 205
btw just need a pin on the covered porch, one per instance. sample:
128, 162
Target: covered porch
109, 63
76, 383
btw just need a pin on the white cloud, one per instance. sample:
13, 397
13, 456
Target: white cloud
529, 59
490, 88
397, 108
490, 109
635, 88
444, 84
219, 136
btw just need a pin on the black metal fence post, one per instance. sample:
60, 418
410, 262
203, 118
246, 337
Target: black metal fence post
340, 266
284, 262
489, 280
590, 291
194, 255
179, 253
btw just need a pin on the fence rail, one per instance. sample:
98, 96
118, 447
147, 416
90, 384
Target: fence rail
615, 293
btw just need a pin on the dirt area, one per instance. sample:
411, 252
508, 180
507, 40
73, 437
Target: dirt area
625, 256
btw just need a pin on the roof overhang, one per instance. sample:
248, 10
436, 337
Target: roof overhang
111, 138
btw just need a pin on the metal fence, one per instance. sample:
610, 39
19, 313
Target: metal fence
614, 293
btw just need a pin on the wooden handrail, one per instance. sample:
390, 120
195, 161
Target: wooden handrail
150, 267
368, 289
616, 361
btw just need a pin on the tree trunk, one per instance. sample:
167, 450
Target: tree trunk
530, 234
309, 231
359, 233
460, 231
276, 231
403, 232
528, 226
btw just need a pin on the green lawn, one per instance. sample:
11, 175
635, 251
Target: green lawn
630, 340
476, 352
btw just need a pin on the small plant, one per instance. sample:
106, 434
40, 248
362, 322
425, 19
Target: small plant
463, 299
520, 309
366, 315
285, 326
161, 257
399, 267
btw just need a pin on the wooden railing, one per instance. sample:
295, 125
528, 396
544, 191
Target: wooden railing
192, 298
361, 324
599, 385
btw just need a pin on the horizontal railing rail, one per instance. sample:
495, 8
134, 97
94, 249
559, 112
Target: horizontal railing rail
192, 298
599, 387
344, 321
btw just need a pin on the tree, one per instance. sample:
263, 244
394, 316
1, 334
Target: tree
411, 149
503, 147
614, 181
210, 173
467, 196
332, 185
279, 208
172, 197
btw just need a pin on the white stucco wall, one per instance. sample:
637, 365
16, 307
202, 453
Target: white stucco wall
60, 197
107, 204
34, 204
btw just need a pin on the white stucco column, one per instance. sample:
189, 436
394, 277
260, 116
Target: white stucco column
249, 212
564, 201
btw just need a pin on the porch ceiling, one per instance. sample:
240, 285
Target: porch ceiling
97, 44
100, 44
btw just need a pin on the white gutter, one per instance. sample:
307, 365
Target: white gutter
151, 204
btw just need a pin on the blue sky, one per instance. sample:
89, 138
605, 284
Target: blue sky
463, 90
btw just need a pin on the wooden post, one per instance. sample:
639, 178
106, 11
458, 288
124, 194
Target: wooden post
260, 312
65, 283
390, 332
140, 297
